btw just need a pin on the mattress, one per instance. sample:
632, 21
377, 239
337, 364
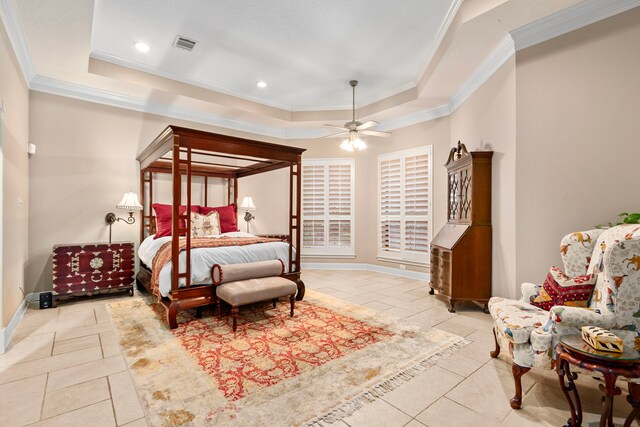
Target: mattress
203, 258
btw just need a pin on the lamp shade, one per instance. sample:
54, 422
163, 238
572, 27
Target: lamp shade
129, 202
247, 203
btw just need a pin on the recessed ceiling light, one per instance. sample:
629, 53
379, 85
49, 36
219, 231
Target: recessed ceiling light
261, 84
142, 47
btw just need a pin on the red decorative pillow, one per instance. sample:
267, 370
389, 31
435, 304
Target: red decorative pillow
163, 218
560, 289
227, 216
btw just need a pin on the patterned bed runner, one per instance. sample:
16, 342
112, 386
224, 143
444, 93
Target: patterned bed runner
163, 256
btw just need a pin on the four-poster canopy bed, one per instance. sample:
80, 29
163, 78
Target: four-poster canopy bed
186, 153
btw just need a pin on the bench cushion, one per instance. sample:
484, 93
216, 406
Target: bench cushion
243, 292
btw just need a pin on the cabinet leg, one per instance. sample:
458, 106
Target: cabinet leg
431, 291
452, 306
485, 309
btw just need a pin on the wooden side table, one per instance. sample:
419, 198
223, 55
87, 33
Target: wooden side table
572, 350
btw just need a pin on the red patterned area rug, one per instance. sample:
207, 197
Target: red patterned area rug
315, 368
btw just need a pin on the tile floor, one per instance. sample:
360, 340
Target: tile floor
65, 368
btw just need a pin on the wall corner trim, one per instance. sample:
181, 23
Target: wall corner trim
365, 267
7, 332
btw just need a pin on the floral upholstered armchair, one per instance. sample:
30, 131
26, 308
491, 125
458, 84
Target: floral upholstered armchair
529, 334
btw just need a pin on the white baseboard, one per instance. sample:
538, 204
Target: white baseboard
365, 267
7, 332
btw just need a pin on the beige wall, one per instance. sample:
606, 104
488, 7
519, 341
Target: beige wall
15, 171
486, 121
578, 136
84, 163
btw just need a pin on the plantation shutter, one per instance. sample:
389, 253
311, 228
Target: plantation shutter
327, 207
390, 187
416, 187
404, 180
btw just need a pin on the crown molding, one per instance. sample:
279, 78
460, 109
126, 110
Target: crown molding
569, 19
85, 93
9, 16
498, 56
414, 118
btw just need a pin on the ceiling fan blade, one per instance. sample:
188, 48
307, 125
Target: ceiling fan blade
367, 125
337, 135
376, 133
337, 127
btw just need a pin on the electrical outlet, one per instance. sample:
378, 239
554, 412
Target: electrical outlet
403, 267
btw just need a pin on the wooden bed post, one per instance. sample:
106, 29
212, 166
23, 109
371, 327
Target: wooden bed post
175, 233
144, 206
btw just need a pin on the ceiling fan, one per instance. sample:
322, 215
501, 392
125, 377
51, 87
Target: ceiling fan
354, 128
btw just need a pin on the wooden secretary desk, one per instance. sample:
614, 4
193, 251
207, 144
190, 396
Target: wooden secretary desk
461, 251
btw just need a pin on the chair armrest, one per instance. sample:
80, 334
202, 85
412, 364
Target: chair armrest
529, 291
576, 317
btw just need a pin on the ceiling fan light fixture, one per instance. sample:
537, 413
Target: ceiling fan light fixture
347, 145
359, 144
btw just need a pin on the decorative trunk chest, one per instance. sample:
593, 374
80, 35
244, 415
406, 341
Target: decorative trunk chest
93, 268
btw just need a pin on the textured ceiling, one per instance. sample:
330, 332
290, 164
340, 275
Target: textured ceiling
306, 51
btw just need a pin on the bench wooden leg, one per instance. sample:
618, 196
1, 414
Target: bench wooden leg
219, 307
273, 301
234, 317
292, 299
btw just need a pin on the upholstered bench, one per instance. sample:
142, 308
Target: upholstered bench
242, 284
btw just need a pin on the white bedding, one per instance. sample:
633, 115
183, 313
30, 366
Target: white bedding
203, 258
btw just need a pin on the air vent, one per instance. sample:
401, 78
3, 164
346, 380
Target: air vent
184, 43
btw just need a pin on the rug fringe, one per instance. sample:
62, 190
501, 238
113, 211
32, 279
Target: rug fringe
350, 407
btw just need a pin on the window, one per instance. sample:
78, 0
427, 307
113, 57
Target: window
328, 207
404, 201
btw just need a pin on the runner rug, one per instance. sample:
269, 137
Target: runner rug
315, 368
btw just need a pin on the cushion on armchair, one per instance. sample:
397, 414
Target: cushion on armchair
559, 289
516, 319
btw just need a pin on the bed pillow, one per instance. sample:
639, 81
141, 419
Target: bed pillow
227, 216
163, 218
205, 225
560, 289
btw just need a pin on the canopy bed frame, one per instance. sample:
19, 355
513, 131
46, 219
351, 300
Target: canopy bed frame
183, 152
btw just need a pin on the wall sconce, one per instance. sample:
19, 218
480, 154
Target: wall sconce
247, 205
128, 203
